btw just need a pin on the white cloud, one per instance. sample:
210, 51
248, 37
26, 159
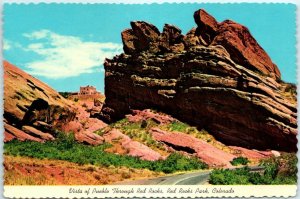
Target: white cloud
66, 56
8, 45
37, 34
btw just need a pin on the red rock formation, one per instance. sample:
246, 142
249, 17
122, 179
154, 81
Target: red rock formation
238, 41
12, 132
216, 77
21, 89
36, 133
88, 138
252, 154
34, 111
209, 154
138, 116
133, 148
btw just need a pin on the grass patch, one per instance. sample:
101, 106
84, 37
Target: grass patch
178, 126
66, 148
139, 131
280, 170
100, 131
239, 161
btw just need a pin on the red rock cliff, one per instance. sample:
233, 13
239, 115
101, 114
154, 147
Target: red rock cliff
216, 77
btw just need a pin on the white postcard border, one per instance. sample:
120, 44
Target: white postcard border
63, 191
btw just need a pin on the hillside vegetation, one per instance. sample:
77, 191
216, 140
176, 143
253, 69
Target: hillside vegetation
66, 148
279, 170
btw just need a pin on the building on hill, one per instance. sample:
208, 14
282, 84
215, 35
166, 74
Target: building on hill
87, 90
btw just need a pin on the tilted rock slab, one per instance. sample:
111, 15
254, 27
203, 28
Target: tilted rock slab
133, 148
216, 77
209, 154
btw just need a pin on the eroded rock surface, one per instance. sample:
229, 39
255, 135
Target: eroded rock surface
34, 111
143, 115
209, 154
129, 146
216, 77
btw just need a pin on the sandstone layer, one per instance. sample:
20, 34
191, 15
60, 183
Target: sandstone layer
34, 111
216, 77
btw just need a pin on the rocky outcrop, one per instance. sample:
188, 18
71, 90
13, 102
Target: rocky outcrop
12, 132
37, 133
21, 90
253, 154
144, 115
216, 77
209, 154
130, 147
34, 111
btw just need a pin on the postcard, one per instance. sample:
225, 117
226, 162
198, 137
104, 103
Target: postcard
149, 100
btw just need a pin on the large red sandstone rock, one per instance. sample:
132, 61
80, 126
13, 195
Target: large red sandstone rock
238, 41
134, 148
206, 152
252, 154
140, 37
85, 132
94, 124
88, 138
22, 89
36, 133
206, 21
39, 111
13, 132
222, 81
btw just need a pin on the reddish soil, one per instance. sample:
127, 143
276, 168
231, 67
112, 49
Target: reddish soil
30, 171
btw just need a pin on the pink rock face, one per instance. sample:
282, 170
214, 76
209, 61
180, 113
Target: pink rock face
17, 82
33, 131
138, 116
73, 126
8, 137
84, 133
252, 154
20, 135
205, 151
89, 138
93, 124
134, 148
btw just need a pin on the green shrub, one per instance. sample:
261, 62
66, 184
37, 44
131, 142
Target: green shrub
227, 177
280, 170
239, 161
178, 126
66, 148
65, 94
283, 169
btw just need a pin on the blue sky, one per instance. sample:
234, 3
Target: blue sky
65, 45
